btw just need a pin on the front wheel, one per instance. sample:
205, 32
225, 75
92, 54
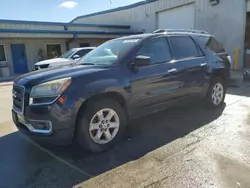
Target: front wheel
216, 93
101, 125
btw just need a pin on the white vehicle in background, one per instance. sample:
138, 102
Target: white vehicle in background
68, 57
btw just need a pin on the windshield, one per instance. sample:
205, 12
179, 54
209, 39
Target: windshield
68, 54
109, 53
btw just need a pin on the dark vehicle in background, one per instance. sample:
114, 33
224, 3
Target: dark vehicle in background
67, 58
122, 79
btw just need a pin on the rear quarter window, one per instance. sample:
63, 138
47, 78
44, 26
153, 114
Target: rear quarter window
183, 47
211, 43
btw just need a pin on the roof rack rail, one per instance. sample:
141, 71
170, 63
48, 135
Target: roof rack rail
180, 31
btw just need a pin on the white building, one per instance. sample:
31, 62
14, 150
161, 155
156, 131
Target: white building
23, 43
226, 19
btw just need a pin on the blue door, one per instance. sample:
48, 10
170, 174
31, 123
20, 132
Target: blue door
19, 58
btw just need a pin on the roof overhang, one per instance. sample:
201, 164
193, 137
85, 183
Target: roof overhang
65, 24
27, 33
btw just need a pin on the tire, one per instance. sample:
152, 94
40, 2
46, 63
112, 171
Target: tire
89, 140
245, 78
211, 97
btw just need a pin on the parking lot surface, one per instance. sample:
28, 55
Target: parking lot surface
184, 146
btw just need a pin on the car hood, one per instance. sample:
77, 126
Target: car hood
49, 61
44, 75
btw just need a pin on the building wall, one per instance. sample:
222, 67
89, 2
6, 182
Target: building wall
35, 35
29, 26
72, 27
226, 21
32, 46
92, 41
139, 18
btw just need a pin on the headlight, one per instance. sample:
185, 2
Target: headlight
49, 90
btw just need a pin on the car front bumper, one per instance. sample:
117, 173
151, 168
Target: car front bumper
53, 124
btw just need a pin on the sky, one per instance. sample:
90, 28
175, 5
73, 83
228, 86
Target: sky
55, 10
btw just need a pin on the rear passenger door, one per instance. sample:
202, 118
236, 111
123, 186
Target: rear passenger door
189, 59
155, 83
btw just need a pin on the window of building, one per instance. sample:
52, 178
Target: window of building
157, 50
54, 50
2, 54
183, 47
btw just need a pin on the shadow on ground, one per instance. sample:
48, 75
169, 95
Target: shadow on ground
237, 86
143, 136
23, 165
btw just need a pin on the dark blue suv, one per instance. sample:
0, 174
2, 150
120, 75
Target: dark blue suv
122, 79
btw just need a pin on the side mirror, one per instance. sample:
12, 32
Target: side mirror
141, 61
76, 57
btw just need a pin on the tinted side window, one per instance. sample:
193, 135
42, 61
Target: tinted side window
82, 53
212, 44
183, 47
157, 50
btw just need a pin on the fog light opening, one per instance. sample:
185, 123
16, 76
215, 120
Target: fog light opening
41, 125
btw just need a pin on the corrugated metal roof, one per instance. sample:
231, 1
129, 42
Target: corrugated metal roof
116, 9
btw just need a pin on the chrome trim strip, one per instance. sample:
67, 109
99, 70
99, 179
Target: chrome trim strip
13, 107
45, 103
40, 131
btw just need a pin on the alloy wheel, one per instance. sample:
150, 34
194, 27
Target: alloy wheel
104, 126
217, 93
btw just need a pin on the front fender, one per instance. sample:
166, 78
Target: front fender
78, 93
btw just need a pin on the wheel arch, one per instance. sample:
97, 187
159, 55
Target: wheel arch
114, 95
221, 73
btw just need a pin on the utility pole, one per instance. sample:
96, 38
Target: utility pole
110, 3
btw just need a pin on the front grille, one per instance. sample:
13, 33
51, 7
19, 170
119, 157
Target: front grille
18, 98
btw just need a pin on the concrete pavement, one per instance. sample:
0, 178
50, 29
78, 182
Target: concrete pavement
214, 155
186, 146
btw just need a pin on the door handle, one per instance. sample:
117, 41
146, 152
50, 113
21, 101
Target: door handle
203, 64
174, 70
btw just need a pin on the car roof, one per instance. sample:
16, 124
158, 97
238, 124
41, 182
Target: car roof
152, 35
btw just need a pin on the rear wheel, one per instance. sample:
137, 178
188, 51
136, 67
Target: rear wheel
101, 125
216, 93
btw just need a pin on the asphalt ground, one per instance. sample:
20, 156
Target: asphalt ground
185, 146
